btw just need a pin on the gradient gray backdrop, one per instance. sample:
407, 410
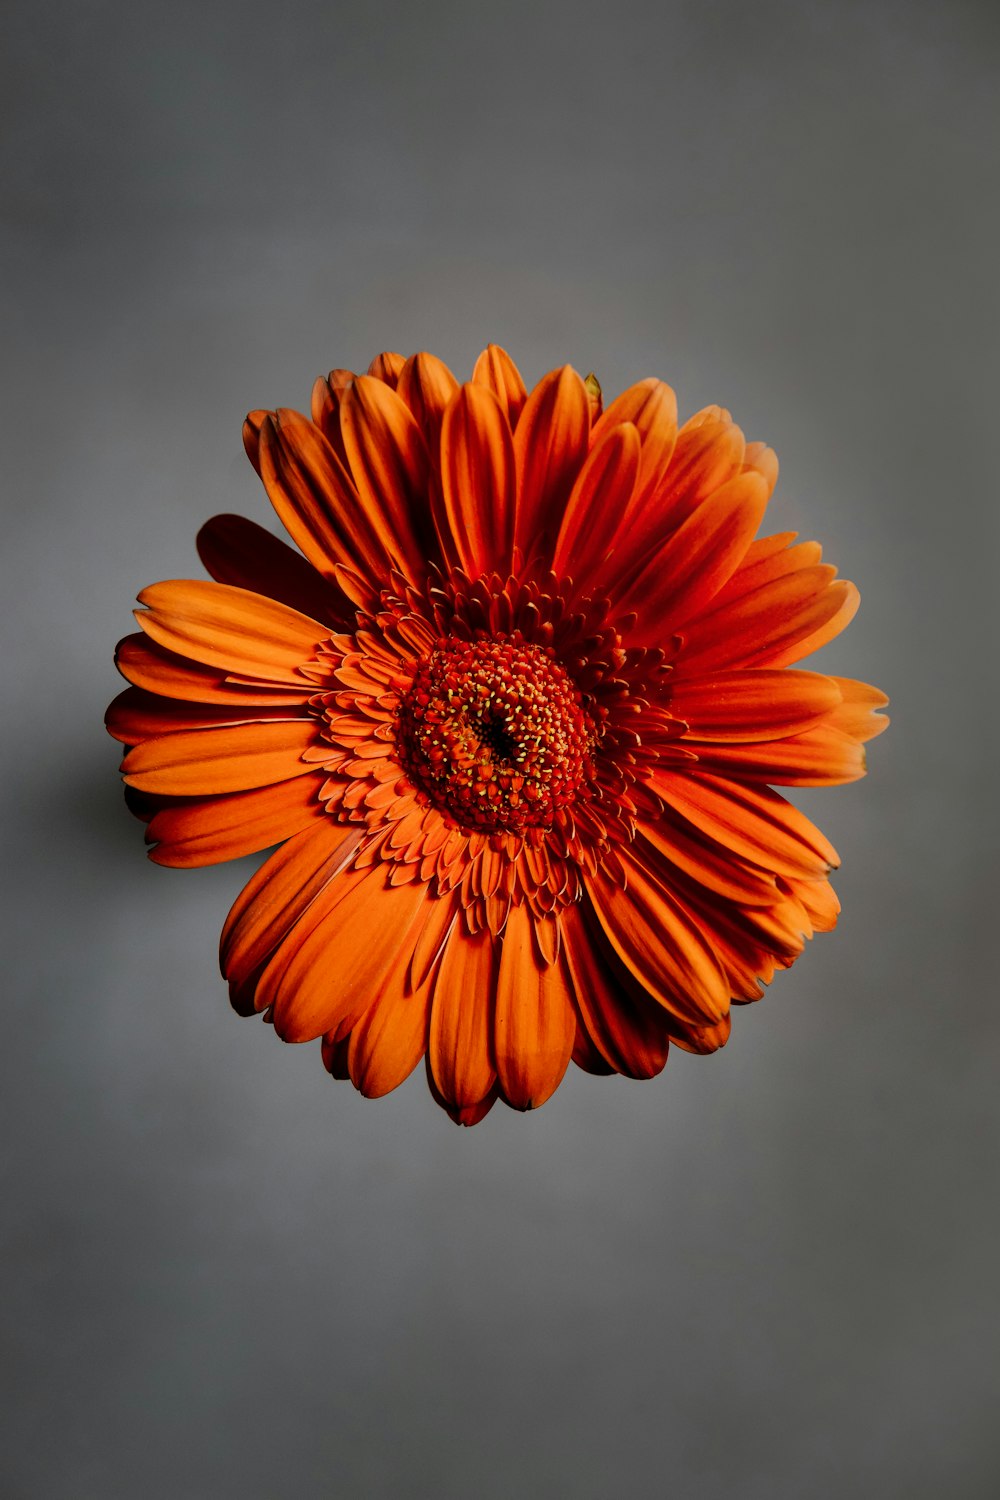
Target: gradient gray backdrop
770, 1273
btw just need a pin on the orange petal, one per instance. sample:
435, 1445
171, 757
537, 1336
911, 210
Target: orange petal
136, 715
325, 979
325, 408
857, 715
497, 371
315, 498
461, 1025
157, 670
822, 756
231, 628
651, 407
628, 1028
771, 626
208, 831
683, 575
709, 451
671, 844
427, 385
764, 461
478, 481
754, 705
391, 1037
389, 465
239, 552
660, 943
387, 367
757, 825
234, 758
534, 1028
252, 425
550, 446
597, 502
279, 893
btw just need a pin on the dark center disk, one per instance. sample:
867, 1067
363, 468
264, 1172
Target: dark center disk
494, 732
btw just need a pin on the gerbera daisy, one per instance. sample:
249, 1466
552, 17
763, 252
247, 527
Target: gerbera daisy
512, 714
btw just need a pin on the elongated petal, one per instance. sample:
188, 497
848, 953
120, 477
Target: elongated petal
231, 759
206, 831
550, 444
391, 469
137, 715
597, 503
280, 893
230, 628
822, 756
672, 843
461, 1027
390, 1038
651, 407
426, 385
688, 570
757, 825
497, 371
478, 483
770, 626
315, 497
325, 408
142, 662
660, 943
327, 979
625, 1024
534, 1027
239, 552
760, 705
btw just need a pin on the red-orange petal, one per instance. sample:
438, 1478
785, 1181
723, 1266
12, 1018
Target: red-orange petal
390, 467
534, 1026
241, 553
325, 980
651, 407
550, 444
770, 626
391, 1037
137, 715
234, 758
478, 481
145, 664
756, 824
497, 371
280, 893
461, 1026
683, 575
427, 385
822, 756
206, 831
598, 500
242, 633
387, 367
858, 714
752, 705
315, 497
625, 1024
660, 943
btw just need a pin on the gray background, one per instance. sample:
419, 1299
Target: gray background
770, 1273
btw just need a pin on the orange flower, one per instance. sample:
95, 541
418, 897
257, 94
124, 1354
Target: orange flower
512, 719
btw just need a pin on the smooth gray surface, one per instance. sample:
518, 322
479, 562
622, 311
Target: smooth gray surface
768, 1274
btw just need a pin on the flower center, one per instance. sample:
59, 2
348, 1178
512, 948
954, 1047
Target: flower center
493, 731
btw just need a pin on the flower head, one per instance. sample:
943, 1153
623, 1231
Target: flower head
512, 713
